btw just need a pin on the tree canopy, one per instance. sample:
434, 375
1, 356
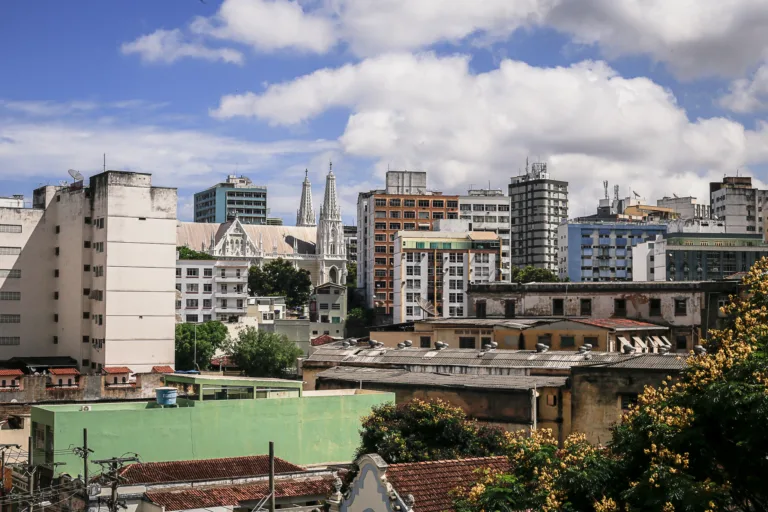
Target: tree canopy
359, 321
281, 278
351, 274
185, 253
531, 274
419, 431
264, 354
696, 443
210, 336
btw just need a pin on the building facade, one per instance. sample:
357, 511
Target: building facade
236, 197
350, 241
433, 270
211, 290
489, 210
685, 207
87, 273
320, 250
601, 251
328, 304
538, 206
404, 205
735, 201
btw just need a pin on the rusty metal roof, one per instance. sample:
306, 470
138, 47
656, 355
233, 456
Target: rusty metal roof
621, 324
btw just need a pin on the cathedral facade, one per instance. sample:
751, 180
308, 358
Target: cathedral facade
317, 247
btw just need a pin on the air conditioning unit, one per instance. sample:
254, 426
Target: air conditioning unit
85, 408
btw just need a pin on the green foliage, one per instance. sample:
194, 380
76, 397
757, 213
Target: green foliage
185, 253
359, 321
281, 278
210, 336
351, 275
530, 274
264, 354
418, 431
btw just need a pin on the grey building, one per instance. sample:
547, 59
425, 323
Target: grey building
329, 304
538, 206
686, 207
350, 240
236, 197
739, 204
488, 210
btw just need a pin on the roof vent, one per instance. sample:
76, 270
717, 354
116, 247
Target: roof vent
663, 349
401, 345
440, 345
628, 349
408, 343
540, 347
372, 343
345, 344
699, 350
494, 345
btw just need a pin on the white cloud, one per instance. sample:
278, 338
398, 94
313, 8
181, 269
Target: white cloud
431, 113
48, 108
166, 46
748, 94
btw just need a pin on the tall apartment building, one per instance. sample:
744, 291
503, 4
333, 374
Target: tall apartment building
601, 251
489, 210
735, 201
236, 197
404, 205
87, 272
437, 267
211, 290
685, 207
538, 206
350, 240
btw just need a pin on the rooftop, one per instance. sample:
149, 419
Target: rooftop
10, 373
448, 380
621, 324
203, 470
63, 371
162, 369
443, 476
116, 369
612, 286
454, 235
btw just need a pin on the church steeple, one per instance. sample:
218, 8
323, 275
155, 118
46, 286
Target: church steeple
305, 216
330, 231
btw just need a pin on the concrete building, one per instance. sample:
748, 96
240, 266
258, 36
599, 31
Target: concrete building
266, 309
87, 273
350, 240
303, 331
599, 251
236, 197
219, 417
328, 304
433, 269
538, 206
404, 205
319, 250
489, 210
735, 201
697, 256
688, 309
685, 207
274, 221
211, 290
14, 201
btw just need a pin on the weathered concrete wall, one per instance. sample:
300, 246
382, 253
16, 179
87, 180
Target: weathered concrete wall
90, 388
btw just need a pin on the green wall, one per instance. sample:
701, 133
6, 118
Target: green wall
307, 430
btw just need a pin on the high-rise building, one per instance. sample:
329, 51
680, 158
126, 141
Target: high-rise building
404, 205
433, 270
735, 201
236, 197
489, 210
538, 205
685, 207
87, 272
350, 240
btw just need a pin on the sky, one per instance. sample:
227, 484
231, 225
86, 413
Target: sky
655, 96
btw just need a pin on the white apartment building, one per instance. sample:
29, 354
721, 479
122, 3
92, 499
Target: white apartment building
209, 290
686, 207
267, 309
86, 273
538, 206
489, 210
433, 269
735, 201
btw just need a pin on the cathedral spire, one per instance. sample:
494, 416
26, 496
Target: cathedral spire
330, 209
330, 231
305, 216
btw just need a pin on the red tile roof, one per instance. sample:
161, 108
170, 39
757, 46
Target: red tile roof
162, 369
11, 373
617, 323
206, 469
63, 371
322, 340
443, 476
203, 497
222, 361
116, 369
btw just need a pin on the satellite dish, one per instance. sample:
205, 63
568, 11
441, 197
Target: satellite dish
426, 306
75, 175
94, 490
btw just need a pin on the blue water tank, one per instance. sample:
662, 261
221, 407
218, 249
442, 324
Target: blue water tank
166, 396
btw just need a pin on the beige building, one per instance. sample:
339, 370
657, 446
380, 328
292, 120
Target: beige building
87, 272
211, 290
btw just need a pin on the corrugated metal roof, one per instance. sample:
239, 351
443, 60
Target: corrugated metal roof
621, 324
452, 380
652, 362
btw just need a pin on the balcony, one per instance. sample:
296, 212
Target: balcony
232, 278
232, 293
234, 310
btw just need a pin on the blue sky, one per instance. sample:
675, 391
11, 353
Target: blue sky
657, 98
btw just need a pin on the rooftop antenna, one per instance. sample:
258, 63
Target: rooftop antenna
605, 187
105, 163
675, 195
616, 192
75, 175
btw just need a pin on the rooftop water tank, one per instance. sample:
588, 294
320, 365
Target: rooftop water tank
166, 396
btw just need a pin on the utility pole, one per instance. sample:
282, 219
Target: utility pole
271, 476
114, 464
84, 452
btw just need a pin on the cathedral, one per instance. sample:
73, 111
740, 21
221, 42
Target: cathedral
314, 246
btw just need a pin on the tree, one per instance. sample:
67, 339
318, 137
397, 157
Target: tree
531, 274
418, 431
359, 321
185, 253
281, 278
210, 336
351, 275
264, 354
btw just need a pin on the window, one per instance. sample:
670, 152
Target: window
10, 295
586, 307
681, 307
394, 225
380, 249
323, 306
655, 307
681, 343
207, 303
380, 225
10, 251
101, 319
178, 272
336, 307
438, 203
394, 202
206, 318
192, 303
56, 273
55, 317
567, 341
627, 400
620, 307
509, 309
86, 292
380, 237
85, 339
558, 307
544, 339
380, 202
86, 315
58, 228
237, 273
380, 261
466, 342
192, 318
208, 288
86, 268
192, 288
453, 204
409, 311
437, 215
9, 340
480, 309
14, 228
207, 272
55, 342
87, 220
55, 295
87, 244
425, 341
552, 400
11, 273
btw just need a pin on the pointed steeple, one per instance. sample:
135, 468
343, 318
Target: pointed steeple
330, 209
305, 216
330, 231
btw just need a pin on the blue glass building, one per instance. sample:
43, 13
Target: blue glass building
235, 197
